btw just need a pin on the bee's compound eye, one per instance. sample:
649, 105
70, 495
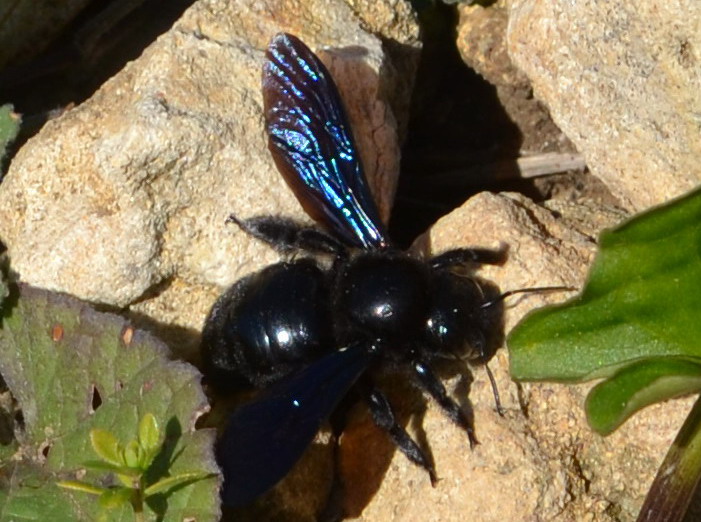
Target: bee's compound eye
457, 321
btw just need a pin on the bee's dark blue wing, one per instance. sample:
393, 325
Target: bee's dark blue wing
266, 437
312, 143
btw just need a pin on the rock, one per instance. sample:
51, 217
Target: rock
394, 21
622, 81
482, 43
125, 197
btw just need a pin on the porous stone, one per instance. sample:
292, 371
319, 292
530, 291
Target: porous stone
481, 41
622, 81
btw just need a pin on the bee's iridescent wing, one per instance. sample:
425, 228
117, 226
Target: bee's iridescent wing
266, 437
312, 144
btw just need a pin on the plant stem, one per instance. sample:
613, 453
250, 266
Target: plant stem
678, 477
137, 499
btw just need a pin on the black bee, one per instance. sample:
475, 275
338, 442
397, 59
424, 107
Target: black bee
307, 334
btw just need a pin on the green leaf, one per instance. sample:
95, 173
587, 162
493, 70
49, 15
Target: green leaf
59, 356
167, 483
129, 480
81, 486
635, 323
642, 300
100, 465
9, 127
612, 401
27, 495
131, 455
149, 434
106, 446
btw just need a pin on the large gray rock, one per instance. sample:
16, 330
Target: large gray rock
622, 80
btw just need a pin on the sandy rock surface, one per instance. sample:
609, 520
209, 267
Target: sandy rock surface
622, 81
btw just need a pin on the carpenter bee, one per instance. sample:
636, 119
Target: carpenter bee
306, 333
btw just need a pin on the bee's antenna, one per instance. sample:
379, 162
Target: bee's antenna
498, 299
535, 289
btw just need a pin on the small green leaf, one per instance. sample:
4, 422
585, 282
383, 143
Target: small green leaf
149, 434
106, 446
131, 455
81, 486
612, 401
99, 465
167, 483
129, 480
9, 127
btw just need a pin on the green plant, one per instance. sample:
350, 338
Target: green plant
9, 127
83, 381
635, 325
130, 462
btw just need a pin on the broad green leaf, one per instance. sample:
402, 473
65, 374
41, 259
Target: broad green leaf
27, 494
8, 444
61, 358
642, 301
612, 401
636, 325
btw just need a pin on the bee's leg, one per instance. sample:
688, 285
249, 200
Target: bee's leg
287, 236
429, 382
465, 256
382, 414
334, 510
